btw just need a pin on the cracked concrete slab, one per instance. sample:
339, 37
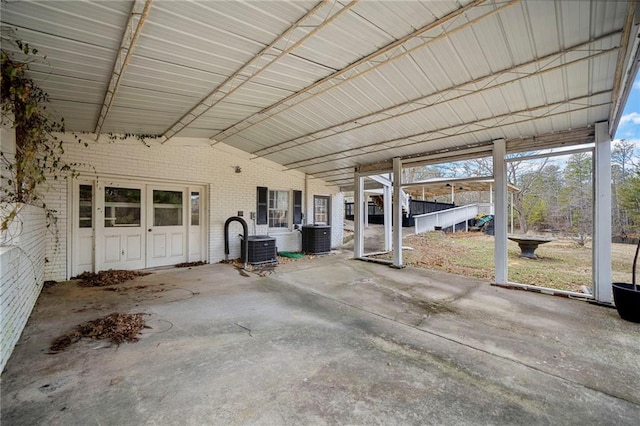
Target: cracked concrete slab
325, 341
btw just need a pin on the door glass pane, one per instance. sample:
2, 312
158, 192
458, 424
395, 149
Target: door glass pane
321, 210
167, 208
121, 207
195, 208
85, 211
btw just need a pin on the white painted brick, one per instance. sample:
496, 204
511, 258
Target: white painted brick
195, 161
21, 275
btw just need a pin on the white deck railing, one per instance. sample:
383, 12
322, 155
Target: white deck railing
450, 217
406, 202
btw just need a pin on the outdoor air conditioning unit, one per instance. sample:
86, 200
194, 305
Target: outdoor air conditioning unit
316, 239
261, 249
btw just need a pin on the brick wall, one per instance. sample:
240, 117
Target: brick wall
22, 259
194, 161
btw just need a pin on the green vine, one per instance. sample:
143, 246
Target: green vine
38, 155
141, 137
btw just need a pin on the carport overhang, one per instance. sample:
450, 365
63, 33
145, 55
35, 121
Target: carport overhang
329, 88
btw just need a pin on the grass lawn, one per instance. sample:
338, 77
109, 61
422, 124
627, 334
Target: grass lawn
562, 264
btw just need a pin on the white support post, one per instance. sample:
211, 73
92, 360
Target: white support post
511, 212
500, 217
491, 208
388, 206
366, 210
602, 214
397, 213
358, 222
305, 208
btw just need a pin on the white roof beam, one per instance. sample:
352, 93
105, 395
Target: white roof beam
380, 179
551, 140
293, 37
137, 18
488, 82
340, 181
335, 172
387, 54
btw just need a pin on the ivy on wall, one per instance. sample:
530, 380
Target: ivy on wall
38, 150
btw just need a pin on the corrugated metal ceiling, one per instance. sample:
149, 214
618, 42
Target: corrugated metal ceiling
324, 87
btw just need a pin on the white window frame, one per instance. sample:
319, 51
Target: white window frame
288, 211
327, 213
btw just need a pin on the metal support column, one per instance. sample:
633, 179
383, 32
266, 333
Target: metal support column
388, 206
397, 213
602, 214
500, 218
358, 222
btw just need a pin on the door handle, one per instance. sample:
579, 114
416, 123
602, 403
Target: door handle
149, 229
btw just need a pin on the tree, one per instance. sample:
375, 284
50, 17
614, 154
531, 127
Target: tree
623, 167
540, 202
516, 172
577, 196
630, 200
523, 175
415, 174
623, 157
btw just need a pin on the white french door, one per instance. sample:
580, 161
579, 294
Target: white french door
129, 225
196, 225
121, 242
167, 225
84, 225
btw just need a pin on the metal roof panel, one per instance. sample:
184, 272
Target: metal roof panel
98, 25
306, 107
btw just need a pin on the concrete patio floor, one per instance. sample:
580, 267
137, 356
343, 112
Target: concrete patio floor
327, 340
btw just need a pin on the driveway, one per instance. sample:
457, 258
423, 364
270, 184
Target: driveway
327, 340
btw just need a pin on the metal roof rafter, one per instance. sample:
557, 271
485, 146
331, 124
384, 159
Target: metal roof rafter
137, 18
521, 116
393, 51
292, 39
424, 102
335, 172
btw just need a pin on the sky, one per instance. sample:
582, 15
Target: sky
629, 126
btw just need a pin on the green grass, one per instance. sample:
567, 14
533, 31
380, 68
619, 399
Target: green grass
561, 264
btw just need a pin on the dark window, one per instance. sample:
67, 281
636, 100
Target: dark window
85, 219
297, 207
263, 205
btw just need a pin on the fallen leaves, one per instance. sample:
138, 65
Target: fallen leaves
105, 278
115, 327
190, 264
